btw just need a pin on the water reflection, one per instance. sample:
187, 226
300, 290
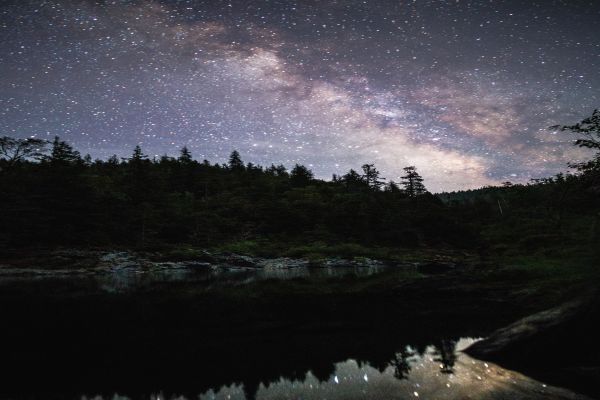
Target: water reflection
402, 361
439, 372
129, 279
446, 356
123, 278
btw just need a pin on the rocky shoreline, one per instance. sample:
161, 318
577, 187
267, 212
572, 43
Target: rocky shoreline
77, 262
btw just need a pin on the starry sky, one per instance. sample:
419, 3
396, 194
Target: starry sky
462, 89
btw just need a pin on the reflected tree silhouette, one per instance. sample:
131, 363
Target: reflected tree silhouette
401, 363
250, 390
446, 355
323, 371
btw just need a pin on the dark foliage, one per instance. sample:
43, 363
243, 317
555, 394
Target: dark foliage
413, 182
13, 150
67, 200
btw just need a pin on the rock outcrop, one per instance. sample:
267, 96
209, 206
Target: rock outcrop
558, 345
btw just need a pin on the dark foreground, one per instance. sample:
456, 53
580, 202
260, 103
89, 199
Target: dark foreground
64, 338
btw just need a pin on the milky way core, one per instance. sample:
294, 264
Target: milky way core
464, 90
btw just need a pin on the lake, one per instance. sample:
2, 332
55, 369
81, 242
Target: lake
242, 334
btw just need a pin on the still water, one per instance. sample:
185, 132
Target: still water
438, 373
132, 277
91, 336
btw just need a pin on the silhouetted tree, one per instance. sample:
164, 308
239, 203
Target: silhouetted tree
412, 182
138, 156
235, 161
589, 129
62, 153
353, 180
138, 175
113, 160
300, 176
15, 150
446, 355
185, 155
371, 176
277, 170
251, 167
138, 201
87, 160
392, 187
165, 159
401, 364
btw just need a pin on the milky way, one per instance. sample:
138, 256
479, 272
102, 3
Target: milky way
464, 90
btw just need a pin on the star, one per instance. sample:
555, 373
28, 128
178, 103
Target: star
462, 90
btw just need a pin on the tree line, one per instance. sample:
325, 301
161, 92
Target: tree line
14, 151
51, 195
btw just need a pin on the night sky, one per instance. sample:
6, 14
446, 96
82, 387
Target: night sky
464, 90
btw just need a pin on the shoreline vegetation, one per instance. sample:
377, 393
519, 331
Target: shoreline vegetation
181, 205
54, 197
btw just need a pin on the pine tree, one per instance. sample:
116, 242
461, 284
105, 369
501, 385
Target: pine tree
281, 170
371, 176
392, 187
113, 160
235, 161
138, 156
413, 182
87, 160
300, 176
277, 170
353, 180
62, 153
165, 159
138, 174
185, 155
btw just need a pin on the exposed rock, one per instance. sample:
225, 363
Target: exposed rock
121, 268
357, 262
558, 345
337, 263
501, 341
119, 260
197, 264
282, 263
173, 265
365, 262
237, 260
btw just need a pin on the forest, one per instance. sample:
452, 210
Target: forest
52, 196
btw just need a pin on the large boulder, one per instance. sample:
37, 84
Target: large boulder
558, 345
